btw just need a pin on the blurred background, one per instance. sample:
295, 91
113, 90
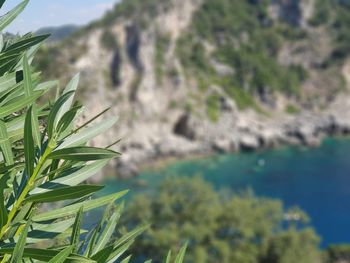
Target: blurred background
234, 119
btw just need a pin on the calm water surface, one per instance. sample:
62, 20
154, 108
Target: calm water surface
317, 180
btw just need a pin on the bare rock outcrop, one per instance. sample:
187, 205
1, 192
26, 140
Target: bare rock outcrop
164, 113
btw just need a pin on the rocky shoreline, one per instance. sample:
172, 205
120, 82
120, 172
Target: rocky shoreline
234, 132
166, 115
166, 110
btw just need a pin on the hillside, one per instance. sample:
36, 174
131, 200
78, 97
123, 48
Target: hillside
57, 33
197, 76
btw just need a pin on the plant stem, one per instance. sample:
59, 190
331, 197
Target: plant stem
26, 190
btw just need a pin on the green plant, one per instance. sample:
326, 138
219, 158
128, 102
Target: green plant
173, 104
108, 40
161, 47
220, 227
139, 10
335, 17
261, 71
213, 107
192, 54
242, 98
242, 36
291, 109
45, 161
322, 13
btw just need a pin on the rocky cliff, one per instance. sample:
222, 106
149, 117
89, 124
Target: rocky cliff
198, 76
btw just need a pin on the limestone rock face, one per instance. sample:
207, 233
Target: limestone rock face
165, 109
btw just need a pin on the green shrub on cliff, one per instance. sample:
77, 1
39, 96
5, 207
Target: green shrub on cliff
219, 227
246, 39
334, 16
44, 162
161, 48
108, 40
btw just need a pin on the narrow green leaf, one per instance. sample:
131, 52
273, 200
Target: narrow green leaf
180, 257
3, 210
107, 231
19, 104
46, 255
28, 86
29, 151
119, 251
24, 44
83, 153
8, 168
22, 214
7, 82
49, 231
62, 256
54, 112
103, 255
19, 248
73, 209
56, 227
92, 240
10, 16
131, 235
72, 178
67, 119
71, 88
5, 144
148, 261
168, 258
47, 85
1, 36
90, 247
12, 95
126, 260
13, 87
54, 169
31, 51
64, 193
7, 63
75, 238
88, 133
35, 126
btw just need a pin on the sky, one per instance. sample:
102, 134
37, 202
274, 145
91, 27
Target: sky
43, 13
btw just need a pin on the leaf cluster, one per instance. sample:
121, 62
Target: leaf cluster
45, 161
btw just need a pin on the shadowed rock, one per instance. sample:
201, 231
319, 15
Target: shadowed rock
133, 41
182, 127
115, 68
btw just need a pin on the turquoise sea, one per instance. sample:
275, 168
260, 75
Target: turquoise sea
317, 180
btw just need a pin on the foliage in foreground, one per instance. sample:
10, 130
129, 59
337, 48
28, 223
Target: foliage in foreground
220, 227
44, 162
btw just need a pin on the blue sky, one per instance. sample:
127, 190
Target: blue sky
41, 13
